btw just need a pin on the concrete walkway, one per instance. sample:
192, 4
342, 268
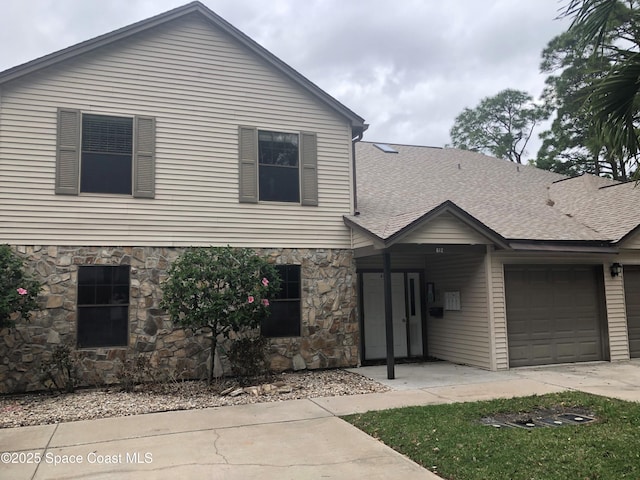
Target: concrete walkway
298, 439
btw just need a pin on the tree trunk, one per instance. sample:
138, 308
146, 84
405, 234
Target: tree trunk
214, 344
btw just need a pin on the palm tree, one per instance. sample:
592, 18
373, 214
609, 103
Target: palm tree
612, 28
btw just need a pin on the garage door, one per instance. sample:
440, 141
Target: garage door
553, 314
632, 296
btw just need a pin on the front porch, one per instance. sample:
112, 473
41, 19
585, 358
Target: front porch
439, 305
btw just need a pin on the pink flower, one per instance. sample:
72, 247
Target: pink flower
250, 299
265, 302
22, 291
265, 282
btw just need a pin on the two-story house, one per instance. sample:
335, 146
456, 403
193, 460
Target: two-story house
118, 153
177, 131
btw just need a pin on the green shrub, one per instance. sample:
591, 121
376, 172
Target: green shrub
248, 355
134, 372
18, 291
219, 290
61, 371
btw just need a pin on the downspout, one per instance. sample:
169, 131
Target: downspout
355, 140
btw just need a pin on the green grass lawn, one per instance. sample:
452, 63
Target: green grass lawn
451, 441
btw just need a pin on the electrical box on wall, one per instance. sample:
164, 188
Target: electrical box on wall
452, 300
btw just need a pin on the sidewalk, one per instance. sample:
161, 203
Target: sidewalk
298, 439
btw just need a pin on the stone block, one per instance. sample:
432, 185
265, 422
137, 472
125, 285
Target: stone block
64, 261
150, 327
298, 363
280, 363
55, 301
53, 337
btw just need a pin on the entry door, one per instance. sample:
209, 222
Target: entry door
374, 322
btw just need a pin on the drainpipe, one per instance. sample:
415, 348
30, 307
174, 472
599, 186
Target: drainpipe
353, 169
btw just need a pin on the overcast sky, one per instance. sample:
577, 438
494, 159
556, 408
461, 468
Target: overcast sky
408, 67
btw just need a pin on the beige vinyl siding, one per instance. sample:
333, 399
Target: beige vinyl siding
446, 229
633, 242
358, 240
496, 290
616, 316
460, 336
200, 86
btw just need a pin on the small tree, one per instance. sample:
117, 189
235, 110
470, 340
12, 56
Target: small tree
18, 291
219, 289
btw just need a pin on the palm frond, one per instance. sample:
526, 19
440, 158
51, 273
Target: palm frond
591, 18
613, 103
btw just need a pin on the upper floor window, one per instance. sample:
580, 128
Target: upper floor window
279, 176
277, 166
105, 154
107, 150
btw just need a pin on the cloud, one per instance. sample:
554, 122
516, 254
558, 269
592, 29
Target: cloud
408, 67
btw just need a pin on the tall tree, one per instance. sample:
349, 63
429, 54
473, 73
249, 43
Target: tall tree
611, 29
500, 125
574, 144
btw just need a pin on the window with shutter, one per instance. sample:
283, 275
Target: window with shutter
105, 154
278, 167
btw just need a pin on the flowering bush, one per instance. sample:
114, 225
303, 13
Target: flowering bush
219, 289
18, 291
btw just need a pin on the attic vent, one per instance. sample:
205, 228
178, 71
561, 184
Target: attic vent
385, 148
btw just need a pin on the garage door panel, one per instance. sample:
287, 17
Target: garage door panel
632, 299
542, 354
557, 314
519, 353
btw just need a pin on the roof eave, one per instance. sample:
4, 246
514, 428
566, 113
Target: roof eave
566, 246
449, 207
446, 207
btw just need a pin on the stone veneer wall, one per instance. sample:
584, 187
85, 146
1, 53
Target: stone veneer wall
330, 336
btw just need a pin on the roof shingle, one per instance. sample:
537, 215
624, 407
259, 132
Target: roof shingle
519, 202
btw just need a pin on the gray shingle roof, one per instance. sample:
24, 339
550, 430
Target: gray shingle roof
519, 202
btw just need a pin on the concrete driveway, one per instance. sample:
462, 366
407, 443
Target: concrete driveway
298, 439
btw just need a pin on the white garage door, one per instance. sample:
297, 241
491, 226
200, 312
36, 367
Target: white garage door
553, 314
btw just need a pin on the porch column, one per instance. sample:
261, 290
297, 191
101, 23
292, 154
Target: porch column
388, 313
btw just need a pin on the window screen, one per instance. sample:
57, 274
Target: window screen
107, 150
103, 306
284, 320
278, 165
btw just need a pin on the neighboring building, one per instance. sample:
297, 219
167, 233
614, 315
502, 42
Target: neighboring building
118, 153
495, 264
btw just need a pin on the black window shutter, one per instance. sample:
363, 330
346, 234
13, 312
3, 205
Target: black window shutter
68, 152
144, 159
248, 158
309, 163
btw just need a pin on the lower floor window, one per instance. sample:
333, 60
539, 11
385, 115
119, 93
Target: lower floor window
284, 320
103, 306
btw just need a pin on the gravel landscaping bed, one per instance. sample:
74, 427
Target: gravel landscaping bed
47, 408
